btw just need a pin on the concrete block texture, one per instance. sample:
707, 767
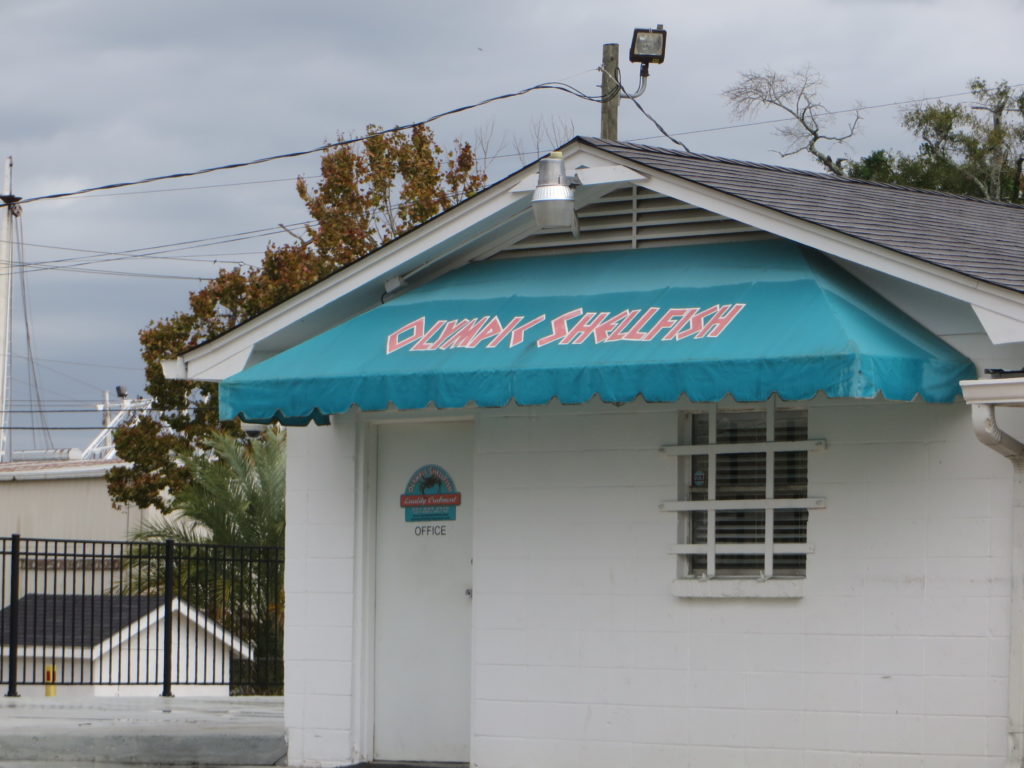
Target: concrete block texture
896, 655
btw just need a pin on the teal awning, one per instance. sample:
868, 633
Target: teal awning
743, 319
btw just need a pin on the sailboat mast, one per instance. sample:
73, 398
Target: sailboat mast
7, 215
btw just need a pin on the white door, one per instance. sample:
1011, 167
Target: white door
423, 592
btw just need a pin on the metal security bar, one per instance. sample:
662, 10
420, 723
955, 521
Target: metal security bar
160, 614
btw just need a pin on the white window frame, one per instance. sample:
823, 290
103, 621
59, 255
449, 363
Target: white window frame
709, 584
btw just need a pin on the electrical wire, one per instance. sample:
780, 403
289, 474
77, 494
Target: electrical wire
848, 110
89, 365
199, 187
184, 245
91, 252
156, 252
572, 90
22, 411
33, 372
141, 275
50, 264
68, 376
634, 97
559, 86
57, 429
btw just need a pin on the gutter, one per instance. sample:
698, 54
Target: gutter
983, 395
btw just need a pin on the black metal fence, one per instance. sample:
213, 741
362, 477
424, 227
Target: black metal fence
120, 613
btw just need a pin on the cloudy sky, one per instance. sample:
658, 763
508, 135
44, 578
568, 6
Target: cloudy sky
100, 91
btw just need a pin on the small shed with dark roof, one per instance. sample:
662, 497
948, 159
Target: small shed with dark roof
112, 644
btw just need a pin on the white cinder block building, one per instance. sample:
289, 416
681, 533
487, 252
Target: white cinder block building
692, 480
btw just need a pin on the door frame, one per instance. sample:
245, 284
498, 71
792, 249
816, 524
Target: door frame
364, 589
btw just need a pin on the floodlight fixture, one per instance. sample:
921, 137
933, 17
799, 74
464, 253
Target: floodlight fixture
648, 47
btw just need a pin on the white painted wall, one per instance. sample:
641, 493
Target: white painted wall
76, 508
899, 647
322, 498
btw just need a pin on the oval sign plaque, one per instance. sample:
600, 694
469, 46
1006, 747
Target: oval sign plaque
430, 494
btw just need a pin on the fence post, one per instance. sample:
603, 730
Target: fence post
168, 601
12, 627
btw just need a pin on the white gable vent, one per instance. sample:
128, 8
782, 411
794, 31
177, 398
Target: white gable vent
635, 218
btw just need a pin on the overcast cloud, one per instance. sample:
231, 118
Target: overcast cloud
111, 90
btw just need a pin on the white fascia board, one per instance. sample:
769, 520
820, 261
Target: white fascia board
968, 289
1009, 391
208, 367
229, 353
999, 328
588, 175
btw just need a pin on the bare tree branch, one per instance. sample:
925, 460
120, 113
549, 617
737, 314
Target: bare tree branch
796, 94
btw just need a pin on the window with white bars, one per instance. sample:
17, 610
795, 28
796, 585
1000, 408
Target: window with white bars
743, 506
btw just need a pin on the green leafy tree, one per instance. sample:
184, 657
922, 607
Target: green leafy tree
236, 495
235, 500
368, 194
975, 150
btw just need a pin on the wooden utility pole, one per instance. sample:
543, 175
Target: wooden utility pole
610, 92
7, 214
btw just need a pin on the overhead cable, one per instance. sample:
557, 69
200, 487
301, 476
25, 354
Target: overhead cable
330, 145
564, 87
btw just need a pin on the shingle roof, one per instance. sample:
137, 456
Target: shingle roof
977, 238
75, 620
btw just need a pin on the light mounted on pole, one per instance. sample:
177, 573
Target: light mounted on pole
648, 47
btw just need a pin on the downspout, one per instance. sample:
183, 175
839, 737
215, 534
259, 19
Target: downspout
983, 417
987, 431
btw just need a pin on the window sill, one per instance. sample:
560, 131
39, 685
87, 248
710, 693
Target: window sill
785, 589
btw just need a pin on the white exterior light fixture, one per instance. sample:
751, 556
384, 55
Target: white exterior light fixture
553, 199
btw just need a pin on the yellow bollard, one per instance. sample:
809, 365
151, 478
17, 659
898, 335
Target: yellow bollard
50, 678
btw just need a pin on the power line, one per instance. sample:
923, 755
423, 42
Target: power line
299, 153
91, 252
85, 410
157, 251
846, 111
198, 187
33, 369
90, 365
60, 429
76, 263
183, 245
541, 86
123, 273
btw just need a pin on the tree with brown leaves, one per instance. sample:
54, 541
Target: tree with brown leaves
369, 194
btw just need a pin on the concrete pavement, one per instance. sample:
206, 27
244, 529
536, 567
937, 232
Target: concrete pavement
97, 732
